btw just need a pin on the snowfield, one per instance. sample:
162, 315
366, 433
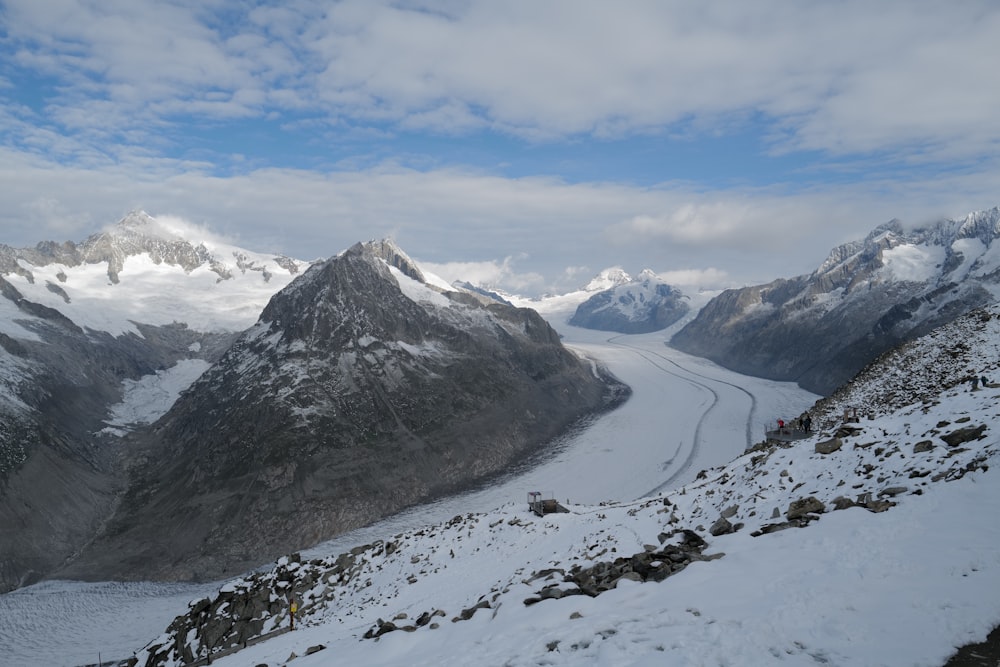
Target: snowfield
853, 587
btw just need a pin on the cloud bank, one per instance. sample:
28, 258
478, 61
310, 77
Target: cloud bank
583, 134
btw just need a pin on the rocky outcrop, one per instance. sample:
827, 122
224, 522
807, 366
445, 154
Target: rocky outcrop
254, 607
58, 475
652, 564
866, 298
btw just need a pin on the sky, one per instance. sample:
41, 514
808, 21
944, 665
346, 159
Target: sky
523, 145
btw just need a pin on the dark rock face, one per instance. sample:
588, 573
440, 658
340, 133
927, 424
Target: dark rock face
360, 391
821, 329
653, 565
57, 473
639, 306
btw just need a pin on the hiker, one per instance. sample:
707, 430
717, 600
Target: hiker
781, 424
975, 383
984, 381
808, 423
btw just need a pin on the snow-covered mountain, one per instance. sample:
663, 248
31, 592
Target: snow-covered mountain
868, 296
608, 279
83, 329
378, 384
146, 271
631, 306
362, 388
861, 543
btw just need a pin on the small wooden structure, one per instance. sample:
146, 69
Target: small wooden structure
786, 434
542, 506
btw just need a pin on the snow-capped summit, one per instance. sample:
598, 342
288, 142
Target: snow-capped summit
145, 270
635, 306
607, 279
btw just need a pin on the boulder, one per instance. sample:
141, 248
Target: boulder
842, 503
963, 435
829, 446
721, 527
803, 506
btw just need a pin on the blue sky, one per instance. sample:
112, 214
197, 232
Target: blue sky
531, 144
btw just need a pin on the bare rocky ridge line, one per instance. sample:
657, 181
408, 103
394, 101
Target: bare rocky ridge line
821, 329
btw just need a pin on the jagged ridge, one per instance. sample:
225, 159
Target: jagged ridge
867, 297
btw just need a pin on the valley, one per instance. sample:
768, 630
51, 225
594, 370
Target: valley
621, 456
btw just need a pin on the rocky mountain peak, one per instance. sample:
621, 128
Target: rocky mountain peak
647, 276
360, 390
608, 278
638, 306
869, 295
982, 225
391, 254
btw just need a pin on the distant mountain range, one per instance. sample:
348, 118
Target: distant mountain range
167, 390
330, 395
867, 297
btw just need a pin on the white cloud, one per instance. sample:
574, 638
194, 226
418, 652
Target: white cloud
869, 87
519, 233
710, 278
912, 77
491, 274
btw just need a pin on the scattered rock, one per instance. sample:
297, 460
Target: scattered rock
842, 503
803, 506
923, 446
466, 614
721, 527
963, 435
829, 446
877, 506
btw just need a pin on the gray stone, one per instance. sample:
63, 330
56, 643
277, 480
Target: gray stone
963, 435
879, 505
842, 503
803, 506
829, 446
721, 527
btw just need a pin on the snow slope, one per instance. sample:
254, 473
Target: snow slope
903, 586
158, 293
